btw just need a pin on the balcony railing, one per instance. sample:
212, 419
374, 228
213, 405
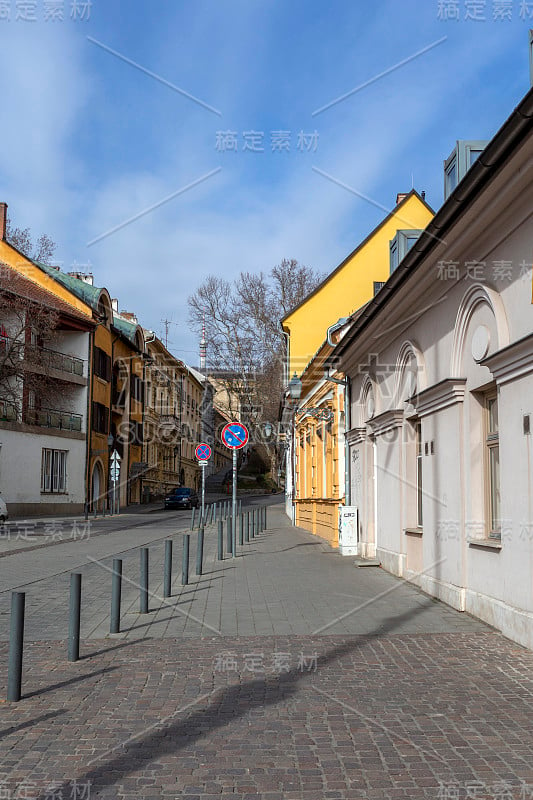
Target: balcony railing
8, 411
47, 418
45, 357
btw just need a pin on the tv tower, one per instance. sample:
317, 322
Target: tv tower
203, 349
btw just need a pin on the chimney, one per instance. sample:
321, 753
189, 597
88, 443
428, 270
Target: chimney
114, 304
423, 195
401, 196
3, 221
129, 316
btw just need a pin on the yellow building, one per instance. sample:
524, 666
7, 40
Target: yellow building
354, 281
316, 468
319, 450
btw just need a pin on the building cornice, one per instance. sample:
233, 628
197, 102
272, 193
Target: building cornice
386, 422
439, 396
356, 436
512, 362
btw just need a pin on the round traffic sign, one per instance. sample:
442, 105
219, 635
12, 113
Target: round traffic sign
235, 435
203, 452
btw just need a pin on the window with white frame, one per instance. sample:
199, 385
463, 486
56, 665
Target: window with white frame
54, 471
492, 466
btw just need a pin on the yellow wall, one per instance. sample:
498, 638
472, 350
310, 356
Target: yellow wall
11, 257
351, 286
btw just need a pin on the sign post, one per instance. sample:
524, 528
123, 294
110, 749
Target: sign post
234, 436
114, 474
203, 454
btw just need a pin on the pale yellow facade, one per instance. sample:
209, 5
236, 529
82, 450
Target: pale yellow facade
351, 284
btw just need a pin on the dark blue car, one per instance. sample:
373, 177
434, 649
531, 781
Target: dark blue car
182, 498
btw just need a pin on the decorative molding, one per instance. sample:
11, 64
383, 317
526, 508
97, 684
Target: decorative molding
386, 422
441, 395
355, 436
477, 295
511, 362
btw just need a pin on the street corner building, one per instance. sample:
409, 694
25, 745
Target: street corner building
440, 369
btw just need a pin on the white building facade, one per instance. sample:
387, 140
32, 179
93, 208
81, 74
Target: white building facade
440, 366
43, 436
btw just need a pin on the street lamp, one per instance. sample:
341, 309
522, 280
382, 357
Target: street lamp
295, 387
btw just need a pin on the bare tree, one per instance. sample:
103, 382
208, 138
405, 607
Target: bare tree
25, 324
42, 250
246, 346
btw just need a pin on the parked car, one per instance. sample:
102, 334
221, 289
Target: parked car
182, 498
4, 516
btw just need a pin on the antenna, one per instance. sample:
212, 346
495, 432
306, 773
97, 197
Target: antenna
167, 323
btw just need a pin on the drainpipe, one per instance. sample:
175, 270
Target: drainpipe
88, 421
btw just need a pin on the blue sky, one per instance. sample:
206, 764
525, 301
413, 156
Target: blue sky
90, 141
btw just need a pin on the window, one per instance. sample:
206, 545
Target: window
492, 466
101, 364
419, 491
100, 418
400, 246
378, 285
137, 388
54, 471
464, 155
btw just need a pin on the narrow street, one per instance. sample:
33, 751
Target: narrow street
283, 673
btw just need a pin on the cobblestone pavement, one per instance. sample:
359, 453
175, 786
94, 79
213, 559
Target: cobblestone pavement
401, 698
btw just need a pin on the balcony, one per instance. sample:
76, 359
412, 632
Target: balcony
169, 421
59, 420
43, 359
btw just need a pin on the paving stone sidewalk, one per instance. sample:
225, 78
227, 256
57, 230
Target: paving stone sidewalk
324, 681
284, 581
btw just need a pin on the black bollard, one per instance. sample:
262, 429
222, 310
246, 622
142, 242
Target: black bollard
247, 530
200, 551
116, 593
220, 540
185, 560
241, 529
16, 646
74, 617
193, 514
167, 579
143, 599
229, 542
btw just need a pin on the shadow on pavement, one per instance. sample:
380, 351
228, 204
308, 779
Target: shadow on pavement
225, 706
71, 681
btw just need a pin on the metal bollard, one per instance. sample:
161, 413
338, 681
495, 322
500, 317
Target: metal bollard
229, 542
185, 560
266, 516
167, 579
200, 551
143, 600
247, 531
116, 593
74, 617
193, 514
220, 540
241, 529
16, 646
